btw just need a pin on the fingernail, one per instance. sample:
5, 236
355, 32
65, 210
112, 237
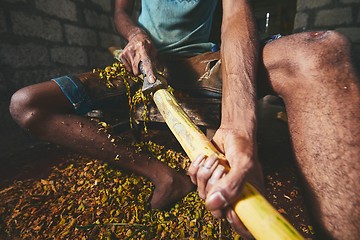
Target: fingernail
201, 196
152, 79
229, 220
219, 199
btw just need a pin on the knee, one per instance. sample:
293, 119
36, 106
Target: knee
324, 51
309, 55
21, 109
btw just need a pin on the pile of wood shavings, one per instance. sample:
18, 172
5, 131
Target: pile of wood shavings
91, 200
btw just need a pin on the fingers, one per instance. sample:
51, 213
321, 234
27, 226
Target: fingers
139, 50
210, 176
204, 173
219, 200
218, 173
147, 66
130, 57
194, 167
237, 225
124, 56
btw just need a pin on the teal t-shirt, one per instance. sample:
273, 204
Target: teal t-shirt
180, 27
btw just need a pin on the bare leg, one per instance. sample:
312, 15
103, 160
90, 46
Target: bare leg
45, 112
313, 74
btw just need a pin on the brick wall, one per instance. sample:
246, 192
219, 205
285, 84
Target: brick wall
40, 39
340, 15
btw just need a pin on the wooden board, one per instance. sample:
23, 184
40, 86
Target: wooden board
202, 111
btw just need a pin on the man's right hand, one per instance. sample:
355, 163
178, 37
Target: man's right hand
219, 189
140, 49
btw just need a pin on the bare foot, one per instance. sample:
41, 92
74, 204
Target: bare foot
169, 189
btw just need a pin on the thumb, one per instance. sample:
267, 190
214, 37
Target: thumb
216, 201
147, 71
225, 191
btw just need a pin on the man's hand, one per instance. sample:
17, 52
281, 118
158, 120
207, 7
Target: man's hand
221, 190
139, 49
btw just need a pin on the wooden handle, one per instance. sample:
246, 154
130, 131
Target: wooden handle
257, 214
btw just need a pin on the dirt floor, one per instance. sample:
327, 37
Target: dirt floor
24, 211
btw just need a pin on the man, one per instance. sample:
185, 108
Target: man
312, 72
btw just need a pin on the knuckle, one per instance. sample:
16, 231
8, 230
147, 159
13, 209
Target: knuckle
147, 61
140, 45
122, 56
202, 176
129, 47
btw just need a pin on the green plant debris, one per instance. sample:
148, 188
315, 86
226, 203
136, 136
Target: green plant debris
135, 98
88, 199
118, 71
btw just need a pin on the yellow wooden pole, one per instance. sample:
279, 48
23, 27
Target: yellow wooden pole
257, 214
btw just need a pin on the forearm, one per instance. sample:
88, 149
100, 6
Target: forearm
139, 47
239, 60
124, 23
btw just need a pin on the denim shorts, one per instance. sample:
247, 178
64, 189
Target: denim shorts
87, 91
75, 91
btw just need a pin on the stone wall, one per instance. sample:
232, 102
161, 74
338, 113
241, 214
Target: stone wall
340, 15
40, 39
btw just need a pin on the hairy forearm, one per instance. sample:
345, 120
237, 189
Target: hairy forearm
124, 23
239, 60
